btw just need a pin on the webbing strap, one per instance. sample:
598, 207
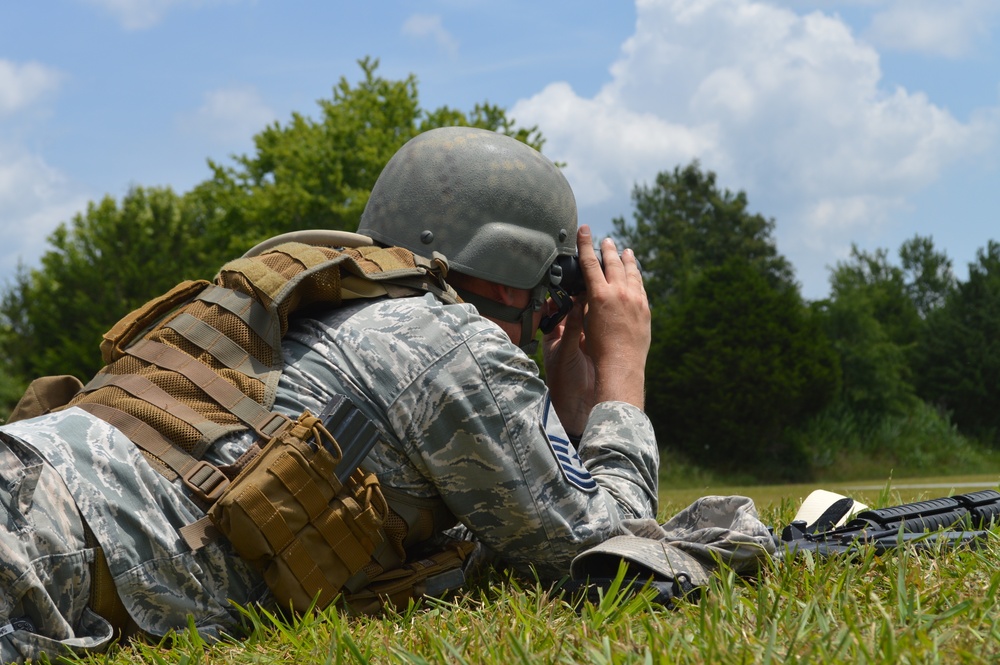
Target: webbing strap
353, 287
262, 513
271, 282
303, 488
337, 532
215, 342
264, 422
143, 436
206, 482
247, 309
308, 572
308, 255
199, 533
360, 518
123, 332
390, 261
144, 389
268, 281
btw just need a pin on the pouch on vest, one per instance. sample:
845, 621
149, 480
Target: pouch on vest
45, 394
288, 515
433, 575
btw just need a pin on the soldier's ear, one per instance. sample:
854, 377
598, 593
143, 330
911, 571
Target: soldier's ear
508, 295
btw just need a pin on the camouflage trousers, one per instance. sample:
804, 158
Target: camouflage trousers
45, 562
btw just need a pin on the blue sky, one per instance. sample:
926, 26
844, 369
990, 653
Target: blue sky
864, 121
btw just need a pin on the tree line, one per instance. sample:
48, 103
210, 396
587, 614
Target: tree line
897, 365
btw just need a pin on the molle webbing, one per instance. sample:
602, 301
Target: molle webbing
204, 360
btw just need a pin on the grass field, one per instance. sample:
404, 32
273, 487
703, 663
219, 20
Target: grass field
900, 490
902, 607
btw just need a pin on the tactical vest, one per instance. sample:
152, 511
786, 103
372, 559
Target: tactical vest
204, 360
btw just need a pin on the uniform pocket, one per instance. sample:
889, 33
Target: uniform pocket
18, 642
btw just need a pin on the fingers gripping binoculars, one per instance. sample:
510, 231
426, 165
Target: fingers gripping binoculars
565, 281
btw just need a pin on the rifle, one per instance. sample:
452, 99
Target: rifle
964, 519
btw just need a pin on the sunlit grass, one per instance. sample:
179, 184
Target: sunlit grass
938, 606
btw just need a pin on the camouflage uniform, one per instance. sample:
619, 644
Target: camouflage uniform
465, 419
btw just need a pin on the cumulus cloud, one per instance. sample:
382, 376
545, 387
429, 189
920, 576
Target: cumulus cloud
789, 107
229, 116
424, 26
948, 28
136, 14
143, 14
23, 84
34, 199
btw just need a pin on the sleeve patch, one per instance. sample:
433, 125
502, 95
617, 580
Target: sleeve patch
569, 460
571, 464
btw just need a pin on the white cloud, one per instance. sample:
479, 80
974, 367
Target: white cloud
606, 145
424, 26
789, 107
34, 199
23, 84
949, 28
136, 14
143, 14
229, 116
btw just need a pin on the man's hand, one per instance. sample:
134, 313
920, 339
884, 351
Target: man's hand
598, 353
569, 371
617, 322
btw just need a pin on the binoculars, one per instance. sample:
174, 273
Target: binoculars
567, 274
565, 281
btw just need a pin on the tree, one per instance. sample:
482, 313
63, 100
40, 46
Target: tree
737, 357
734, 366
319, 173
875, 374
683, 225
875, 317
929, 276
958, 364
107, 261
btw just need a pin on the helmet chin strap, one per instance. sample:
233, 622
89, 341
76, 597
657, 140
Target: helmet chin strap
497, 310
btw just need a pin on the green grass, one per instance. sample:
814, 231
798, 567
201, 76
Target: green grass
903, 607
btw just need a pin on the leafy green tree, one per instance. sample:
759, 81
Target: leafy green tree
885, 288
318, 173
684, 224
929, 276
875, 317
107, 261
874, 369
958, 364
737, 357
735, 365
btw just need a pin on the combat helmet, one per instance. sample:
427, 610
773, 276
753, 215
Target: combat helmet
494, 207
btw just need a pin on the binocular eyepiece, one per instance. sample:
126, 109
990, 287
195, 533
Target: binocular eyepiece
566, 273
565, 281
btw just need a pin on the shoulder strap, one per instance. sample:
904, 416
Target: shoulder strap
126, 330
